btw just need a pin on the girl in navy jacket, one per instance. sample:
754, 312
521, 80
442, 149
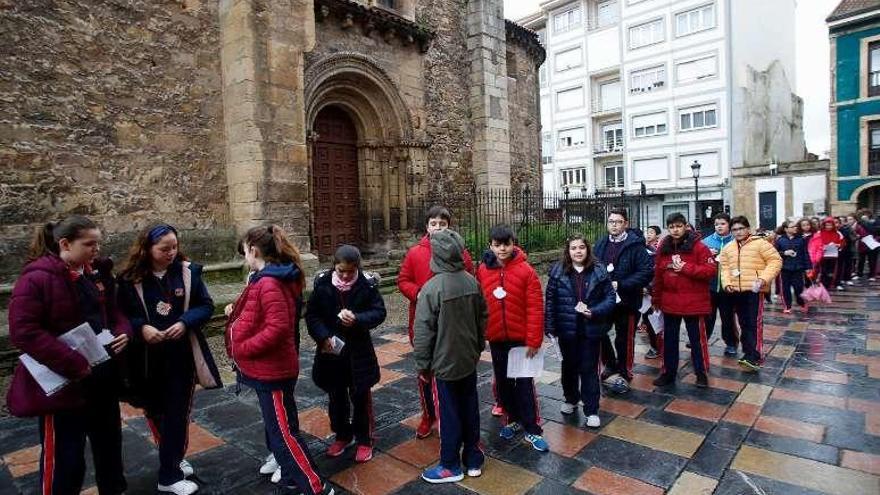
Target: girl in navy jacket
167, 303
344, 306
792, 246
578, 303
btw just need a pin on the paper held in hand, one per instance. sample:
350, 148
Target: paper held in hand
870, 242
83, 340
521, 366
656, 319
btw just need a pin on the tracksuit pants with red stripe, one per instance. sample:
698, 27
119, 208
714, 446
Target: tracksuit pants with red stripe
518, 397
696, 330
619, 358
749, 308
63, 438
346, 425
281, 422
458, 413
580, 371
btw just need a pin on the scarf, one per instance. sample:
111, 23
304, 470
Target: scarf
618, 238
341, 285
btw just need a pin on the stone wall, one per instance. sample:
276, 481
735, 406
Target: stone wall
525, 118
110, 109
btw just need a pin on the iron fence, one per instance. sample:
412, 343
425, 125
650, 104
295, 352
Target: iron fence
541, 221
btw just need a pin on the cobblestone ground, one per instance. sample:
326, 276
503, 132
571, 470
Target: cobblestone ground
808, 423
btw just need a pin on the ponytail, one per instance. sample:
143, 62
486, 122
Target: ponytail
273, 244
46, 237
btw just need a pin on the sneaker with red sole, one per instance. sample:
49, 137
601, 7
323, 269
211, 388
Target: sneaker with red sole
425, 427
497, 411
363, 453
338, 447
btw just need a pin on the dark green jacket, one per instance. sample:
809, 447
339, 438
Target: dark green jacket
450, 323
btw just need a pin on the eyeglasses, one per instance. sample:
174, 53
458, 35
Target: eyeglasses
616, 222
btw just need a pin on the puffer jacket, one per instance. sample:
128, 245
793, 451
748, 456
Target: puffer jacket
801, 260
416, 270
633, 267
686, 292
717, 242
744, 262
357, 364
816, 246
561, 319
519, 315
261, 335
450, 325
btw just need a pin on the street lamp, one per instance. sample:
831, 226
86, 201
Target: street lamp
695, 170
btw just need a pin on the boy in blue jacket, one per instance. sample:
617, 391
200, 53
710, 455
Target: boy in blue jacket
721, 301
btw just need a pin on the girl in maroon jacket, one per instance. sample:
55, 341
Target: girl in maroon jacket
61, 287
261, 339
684, 266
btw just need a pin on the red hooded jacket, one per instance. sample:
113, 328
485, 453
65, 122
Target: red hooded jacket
686, 292
261, 331
519, 315
416, 270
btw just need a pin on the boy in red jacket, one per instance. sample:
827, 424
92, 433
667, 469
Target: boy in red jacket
415, 271
683, 268
516, 318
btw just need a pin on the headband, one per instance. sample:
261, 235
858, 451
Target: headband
159, 232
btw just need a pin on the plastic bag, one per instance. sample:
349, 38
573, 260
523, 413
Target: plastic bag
816, 294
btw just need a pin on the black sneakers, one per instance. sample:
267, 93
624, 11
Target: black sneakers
664, 380
702, 380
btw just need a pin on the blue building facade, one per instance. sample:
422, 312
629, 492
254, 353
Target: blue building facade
854, 30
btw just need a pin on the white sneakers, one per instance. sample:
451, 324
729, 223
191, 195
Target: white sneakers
593, 421
567, 408
187, 468
276, 476
182, 487
270, 466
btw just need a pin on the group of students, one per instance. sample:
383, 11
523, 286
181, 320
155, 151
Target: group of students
158, 303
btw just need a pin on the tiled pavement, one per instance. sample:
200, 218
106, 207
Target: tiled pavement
808, 423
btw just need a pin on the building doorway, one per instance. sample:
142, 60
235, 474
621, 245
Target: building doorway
767, 213
870, 199
335, 182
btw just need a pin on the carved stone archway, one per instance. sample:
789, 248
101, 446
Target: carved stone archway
386, 154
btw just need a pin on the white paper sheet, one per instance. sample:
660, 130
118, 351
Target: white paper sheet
656, 319
47, 379
646, 304
870, 242
337, 345
83, 340
830, 251
555, 346
105, 337
520, 366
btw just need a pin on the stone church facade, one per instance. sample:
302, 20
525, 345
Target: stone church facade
329, 117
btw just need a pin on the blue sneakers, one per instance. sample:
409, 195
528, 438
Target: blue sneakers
538, 442
510, 431
440, 474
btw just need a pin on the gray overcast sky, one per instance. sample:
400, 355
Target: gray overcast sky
813, 83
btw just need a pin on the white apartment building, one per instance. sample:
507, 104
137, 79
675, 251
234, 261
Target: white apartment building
633, 92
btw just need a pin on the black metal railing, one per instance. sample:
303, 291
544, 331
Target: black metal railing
541, 221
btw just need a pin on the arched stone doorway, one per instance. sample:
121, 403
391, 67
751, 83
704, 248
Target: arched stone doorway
869, 197
335, 182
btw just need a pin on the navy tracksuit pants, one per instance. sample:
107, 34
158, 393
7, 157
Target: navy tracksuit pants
168, 420
722, 304
281, 423
346, 425
619, 358
580, 371
63, 438
792, 280
696, 330
518, 397
458, 413
749, 309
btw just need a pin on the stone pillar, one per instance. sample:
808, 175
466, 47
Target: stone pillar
487, 53
267, 159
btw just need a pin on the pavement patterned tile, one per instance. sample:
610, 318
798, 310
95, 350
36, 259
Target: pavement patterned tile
807, 424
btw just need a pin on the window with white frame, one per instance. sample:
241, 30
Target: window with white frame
701, 117
570, 98
652, 124
614, 178
573, 176
568, 59
612, 137
696, 20
542, 75
654, 168
710, 163
570, 138
542, 36
609, 96
646, 80
646, 34
566, 21
546, 148
696, 68
607, 13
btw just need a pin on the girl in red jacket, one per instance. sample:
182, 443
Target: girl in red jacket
516, 318
684, 266
415, 271
261, 339
59, 289
824, 248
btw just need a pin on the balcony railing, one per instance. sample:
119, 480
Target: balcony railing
657, 85
874, 162
597, 106
594, 23
608, 148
